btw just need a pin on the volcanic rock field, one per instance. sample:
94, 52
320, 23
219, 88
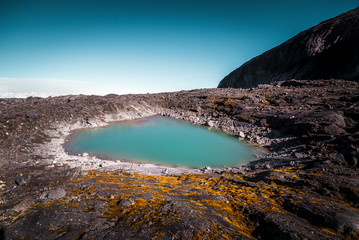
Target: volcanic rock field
305, 186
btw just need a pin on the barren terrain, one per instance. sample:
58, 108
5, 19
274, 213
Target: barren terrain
305, 187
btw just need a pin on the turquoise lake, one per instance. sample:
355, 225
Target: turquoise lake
163, 141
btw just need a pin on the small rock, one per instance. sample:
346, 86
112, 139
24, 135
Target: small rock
124, 203
85, 154
207, 169
337, 158
355, 161
20, 180
327, 162
211, 123
132, 199
268, 166
261, 141
23, 149
55, 194
242, 135
333, 130
32, 115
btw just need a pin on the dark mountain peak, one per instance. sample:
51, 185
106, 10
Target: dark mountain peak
326, 51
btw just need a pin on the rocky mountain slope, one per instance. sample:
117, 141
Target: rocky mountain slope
305, 187
327, 51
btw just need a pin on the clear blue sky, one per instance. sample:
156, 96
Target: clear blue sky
114, 46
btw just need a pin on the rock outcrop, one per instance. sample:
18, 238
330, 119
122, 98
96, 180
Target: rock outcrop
326, 51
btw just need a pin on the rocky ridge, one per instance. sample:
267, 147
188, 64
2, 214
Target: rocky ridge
305, 187
326, 51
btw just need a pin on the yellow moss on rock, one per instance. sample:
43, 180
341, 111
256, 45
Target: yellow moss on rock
225, 197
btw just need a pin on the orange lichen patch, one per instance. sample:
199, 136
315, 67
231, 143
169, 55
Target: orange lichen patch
64, 230
198, 195
290, 172
330, 231
46, 206
157, 235
12, 218
186, 188
286, 169
89, 209
224, 236
79, 236
201, 235
225, 104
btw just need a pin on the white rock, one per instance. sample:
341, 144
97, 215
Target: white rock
242, 135
210, 123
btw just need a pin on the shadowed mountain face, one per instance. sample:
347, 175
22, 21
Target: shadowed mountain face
329, 50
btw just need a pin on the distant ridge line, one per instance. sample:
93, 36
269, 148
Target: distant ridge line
329, 50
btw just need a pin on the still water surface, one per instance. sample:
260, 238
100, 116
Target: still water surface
162, 140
